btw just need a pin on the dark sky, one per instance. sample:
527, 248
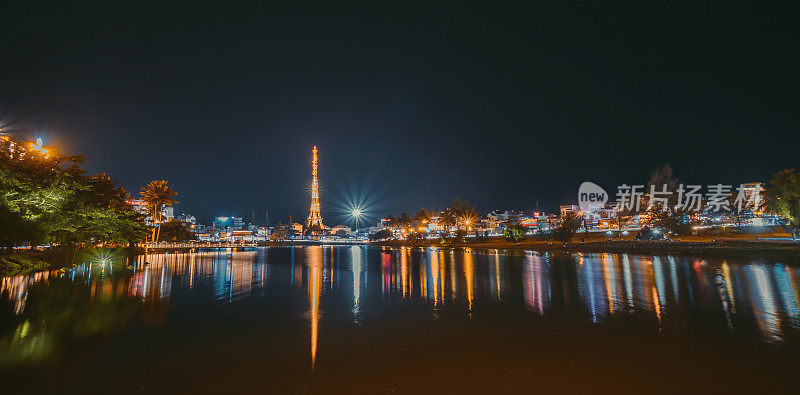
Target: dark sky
497, 103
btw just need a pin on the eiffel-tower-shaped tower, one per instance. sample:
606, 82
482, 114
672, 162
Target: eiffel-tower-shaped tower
314, 216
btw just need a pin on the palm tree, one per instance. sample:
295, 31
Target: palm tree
423, 217
404, 220
392, 220
446, 220
158, 194
464, 213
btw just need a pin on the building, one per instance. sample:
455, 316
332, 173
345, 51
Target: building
297, 228
497, 220
140, 206
568, 208
342, 228
753, 196
241, 235
263, 232
229, 223
199, 228
187, 219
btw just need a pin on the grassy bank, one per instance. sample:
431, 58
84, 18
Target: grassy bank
30, 261
17, 264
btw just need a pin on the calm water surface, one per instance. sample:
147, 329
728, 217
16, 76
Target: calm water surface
369, 319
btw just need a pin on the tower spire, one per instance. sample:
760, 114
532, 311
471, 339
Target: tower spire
314, 216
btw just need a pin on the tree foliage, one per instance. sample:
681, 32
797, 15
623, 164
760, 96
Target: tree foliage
671, 220
783, 198
381, 235
158, 194
515, 232
569, 225
48, 199
175, 231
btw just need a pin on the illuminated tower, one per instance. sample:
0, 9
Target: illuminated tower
314, 217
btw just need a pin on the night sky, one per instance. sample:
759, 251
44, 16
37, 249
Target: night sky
502, 105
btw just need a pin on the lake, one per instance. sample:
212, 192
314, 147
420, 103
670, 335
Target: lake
377, 319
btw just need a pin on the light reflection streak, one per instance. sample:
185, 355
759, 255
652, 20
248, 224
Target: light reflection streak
442, 274
434, 264
657, 306
534, 281
356, 254
386, 273
469, 277
610, 281
764, 303
673, 274
404, 271
315, 265
726, 274
453, 282
658, 277
786, 292
626, 273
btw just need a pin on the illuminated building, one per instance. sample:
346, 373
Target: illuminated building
229, 223
343, 228
140, 206
314, 216
187, 219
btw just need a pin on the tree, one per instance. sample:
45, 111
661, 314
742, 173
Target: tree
48, 198
460, 236
735, 209
515, 232
464, 213
783, 198
280, 232
381, 235
447, 219
414, 237
422, 217
175, 231
404, 221
671, 220
569, 225
661, 180
421, 220
158, 194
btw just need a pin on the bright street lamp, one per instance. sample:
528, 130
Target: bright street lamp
356, 214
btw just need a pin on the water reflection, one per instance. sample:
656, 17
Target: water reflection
535, 283
757, 299
315, 264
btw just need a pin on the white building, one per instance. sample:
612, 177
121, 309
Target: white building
140, 206
187, 219
336, 229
